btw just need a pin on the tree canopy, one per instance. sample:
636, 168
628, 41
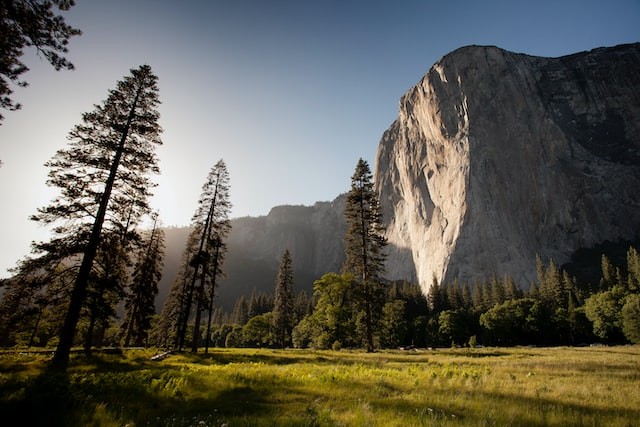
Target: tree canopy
31, 23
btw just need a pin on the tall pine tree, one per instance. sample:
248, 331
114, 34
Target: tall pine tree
364, 248
104, 185
283, 308
204, 256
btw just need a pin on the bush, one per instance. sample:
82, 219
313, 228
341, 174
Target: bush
603, 310
234, 338
631, 318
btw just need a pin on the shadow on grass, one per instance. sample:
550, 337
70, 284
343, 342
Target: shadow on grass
267, 357
117, 394
514, 410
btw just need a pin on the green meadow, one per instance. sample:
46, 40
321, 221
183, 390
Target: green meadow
590, 386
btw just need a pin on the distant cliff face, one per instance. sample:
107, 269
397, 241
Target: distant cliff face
496, 157
313, 235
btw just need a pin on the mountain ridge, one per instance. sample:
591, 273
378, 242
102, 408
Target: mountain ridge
495, 157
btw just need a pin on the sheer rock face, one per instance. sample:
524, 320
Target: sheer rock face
496, 157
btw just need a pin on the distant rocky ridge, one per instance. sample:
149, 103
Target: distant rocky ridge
496, 157
313, 235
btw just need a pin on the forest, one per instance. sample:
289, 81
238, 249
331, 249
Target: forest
94, 283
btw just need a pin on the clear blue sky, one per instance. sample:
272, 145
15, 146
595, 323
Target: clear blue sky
289, 93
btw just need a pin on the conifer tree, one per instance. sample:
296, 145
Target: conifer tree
212, 216
147, 272
105, 287
510, 289
220, 229
104, 184
239, 315
633, 270
26, 23
283, 308
166, 334
203, 258
364, 248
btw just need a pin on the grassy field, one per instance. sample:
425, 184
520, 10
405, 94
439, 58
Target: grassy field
593, 386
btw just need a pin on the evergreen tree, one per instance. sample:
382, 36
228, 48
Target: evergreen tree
511, 291
26, 23
147, 272
33, 301
364, 248
437, 297
394, 325
204, 254
608, 274
105, 287
239, 316
167, 332
498, 292
103, 181
254, 305
487, 297
633, 270
630, 318
283, 308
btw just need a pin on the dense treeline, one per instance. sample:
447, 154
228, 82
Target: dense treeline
556, 310
354, 308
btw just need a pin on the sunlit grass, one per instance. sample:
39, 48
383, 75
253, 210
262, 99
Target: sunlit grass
242, 387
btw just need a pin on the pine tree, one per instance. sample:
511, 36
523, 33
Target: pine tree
633, 270
239, 316
167, 333
283, 308
212, 218
105, 287
511, 291
103, 181
364, 248
498, 292
147, 272
25, 23
608, 274
203, 259
220, 230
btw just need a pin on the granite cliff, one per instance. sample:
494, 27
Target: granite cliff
496, 157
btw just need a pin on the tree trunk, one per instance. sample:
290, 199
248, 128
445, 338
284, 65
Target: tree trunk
182, 328
88, 339
213, 292
365, 278
60, 359
205, 234
196, 324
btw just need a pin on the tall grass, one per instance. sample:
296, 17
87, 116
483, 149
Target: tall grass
478, 387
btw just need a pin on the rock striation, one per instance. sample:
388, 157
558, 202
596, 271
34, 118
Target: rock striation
497, 156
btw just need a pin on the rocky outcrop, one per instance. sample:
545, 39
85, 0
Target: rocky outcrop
496, 157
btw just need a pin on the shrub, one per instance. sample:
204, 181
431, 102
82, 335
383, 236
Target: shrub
631, 318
